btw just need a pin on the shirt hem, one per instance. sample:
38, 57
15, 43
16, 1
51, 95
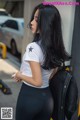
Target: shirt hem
35, 86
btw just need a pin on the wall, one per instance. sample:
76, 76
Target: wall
15, 8
76, 47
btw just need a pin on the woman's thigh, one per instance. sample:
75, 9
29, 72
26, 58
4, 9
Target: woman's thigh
47, 108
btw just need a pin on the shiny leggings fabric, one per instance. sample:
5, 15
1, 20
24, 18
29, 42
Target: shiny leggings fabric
34, 103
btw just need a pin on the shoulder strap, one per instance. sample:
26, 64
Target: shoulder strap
67, 81
66, 84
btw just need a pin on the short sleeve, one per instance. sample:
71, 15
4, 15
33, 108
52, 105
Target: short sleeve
32, 53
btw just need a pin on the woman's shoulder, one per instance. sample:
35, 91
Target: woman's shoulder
34, 45
33, 50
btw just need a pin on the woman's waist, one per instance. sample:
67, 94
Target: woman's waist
41, 87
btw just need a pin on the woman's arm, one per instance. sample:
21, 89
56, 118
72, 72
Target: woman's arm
36, 78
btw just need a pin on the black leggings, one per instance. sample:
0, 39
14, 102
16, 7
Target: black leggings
34, 103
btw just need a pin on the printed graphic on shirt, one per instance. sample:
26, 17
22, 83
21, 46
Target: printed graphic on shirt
30, 49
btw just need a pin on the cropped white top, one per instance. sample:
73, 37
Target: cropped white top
34, 53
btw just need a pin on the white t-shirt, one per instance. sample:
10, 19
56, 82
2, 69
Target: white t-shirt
34, 53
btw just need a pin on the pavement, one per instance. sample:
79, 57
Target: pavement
7, 68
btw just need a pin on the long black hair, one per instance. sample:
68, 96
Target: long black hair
49, 24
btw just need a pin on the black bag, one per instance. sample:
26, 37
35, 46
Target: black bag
65, 95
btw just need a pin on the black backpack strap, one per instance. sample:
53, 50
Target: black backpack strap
65, 87
67, 81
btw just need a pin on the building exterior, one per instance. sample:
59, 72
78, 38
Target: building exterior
14, 7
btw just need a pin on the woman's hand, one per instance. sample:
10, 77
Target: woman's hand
17, 76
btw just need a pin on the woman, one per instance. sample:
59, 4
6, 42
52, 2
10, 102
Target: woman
40, 60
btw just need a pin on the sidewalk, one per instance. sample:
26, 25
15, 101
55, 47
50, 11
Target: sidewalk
7, 68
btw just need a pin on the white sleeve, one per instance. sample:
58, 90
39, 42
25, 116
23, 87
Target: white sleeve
32, 53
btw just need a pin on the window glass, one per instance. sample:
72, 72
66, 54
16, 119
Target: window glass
11, 24
3, 13
22, 24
